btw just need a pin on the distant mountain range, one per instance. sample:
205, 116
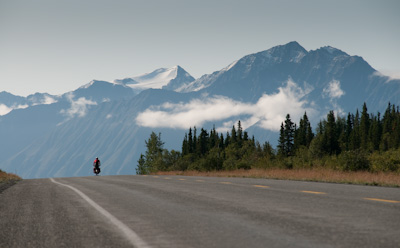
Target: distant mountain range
55, 136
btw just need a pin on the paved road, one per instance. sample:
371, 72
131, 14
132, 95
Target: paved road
173, 211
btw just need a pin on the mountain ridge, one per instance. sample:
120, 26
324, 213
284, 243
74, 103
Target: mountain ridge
101, 118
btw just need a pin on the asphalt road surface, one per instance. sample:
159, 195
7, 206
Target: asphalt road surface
174, 211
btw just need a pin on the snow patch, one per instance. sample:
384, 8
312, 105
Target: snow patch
230, 66
154, 80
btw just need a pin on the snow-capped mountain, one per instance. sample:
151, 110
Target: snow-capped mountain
163, 78
332, 78
44, 112
9, 102
112, 121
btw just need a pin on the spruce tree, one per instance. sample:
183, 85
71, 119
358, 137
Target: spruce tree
286, 138
364, 127
331, 145
185, 145
190, 141
289, 135
281, 141
141, 168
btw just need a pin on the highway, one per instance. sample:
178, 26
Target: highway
177, 211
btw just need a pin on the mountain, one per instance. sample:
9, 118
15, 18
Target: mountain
319, 71
168, 79
22, 126
113, 120
9, 102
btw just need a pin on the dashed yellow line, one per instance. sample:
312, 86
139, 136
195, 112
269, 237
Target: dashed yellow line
167, 178
156, 176
225, 183
381, 200
200, 181
261, 186
182, 179
313, 192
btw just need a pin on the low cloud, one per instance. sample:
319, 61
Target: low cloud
333, 90
389, 75
78, 108
48, 100
268, 112
4, 109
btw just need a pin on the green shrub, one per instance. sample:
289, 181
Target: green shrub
354, 160
388, 161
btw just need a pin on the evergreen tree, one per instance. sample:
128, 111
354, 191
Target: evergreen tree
331, 145
364, 128
185, 145
203, 142
348, 131
354, 143
141, 168
286, 138
245, 136
303, 135
227, 140
194, 139
233, 135
281, 142
240, 134
289, 135
375, 133
153, 158
190, 141
221, 142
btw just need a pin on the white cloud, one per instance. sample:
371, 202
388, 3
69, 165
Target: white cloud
78, 107
389, 75
48, 100
4, 109
333, 90
269, 111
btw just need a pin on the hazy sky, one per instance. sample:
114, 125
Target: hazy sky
56, 46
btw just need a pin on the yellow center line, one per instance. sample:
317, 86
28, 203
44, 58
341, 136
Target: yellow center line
156, 176
261, 186
199, 180
225, 182
167, 178
182, 179
381, 200
313, 192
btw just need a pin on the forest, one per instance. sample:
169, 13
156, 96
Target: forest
359, 142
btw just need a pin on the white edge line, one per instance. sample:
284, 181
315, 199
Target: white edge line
129, 234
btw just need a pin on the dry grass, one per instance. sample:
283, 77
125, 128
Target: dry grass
4, 177
315, 174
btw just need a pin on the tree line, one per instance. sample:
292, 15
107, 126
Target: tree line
360, 141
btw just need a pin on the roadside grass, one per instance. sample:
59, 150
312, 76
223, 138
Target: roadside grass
6, 177
388, 179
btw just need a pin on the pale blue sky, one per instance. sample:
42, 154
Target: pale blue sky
56, 46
